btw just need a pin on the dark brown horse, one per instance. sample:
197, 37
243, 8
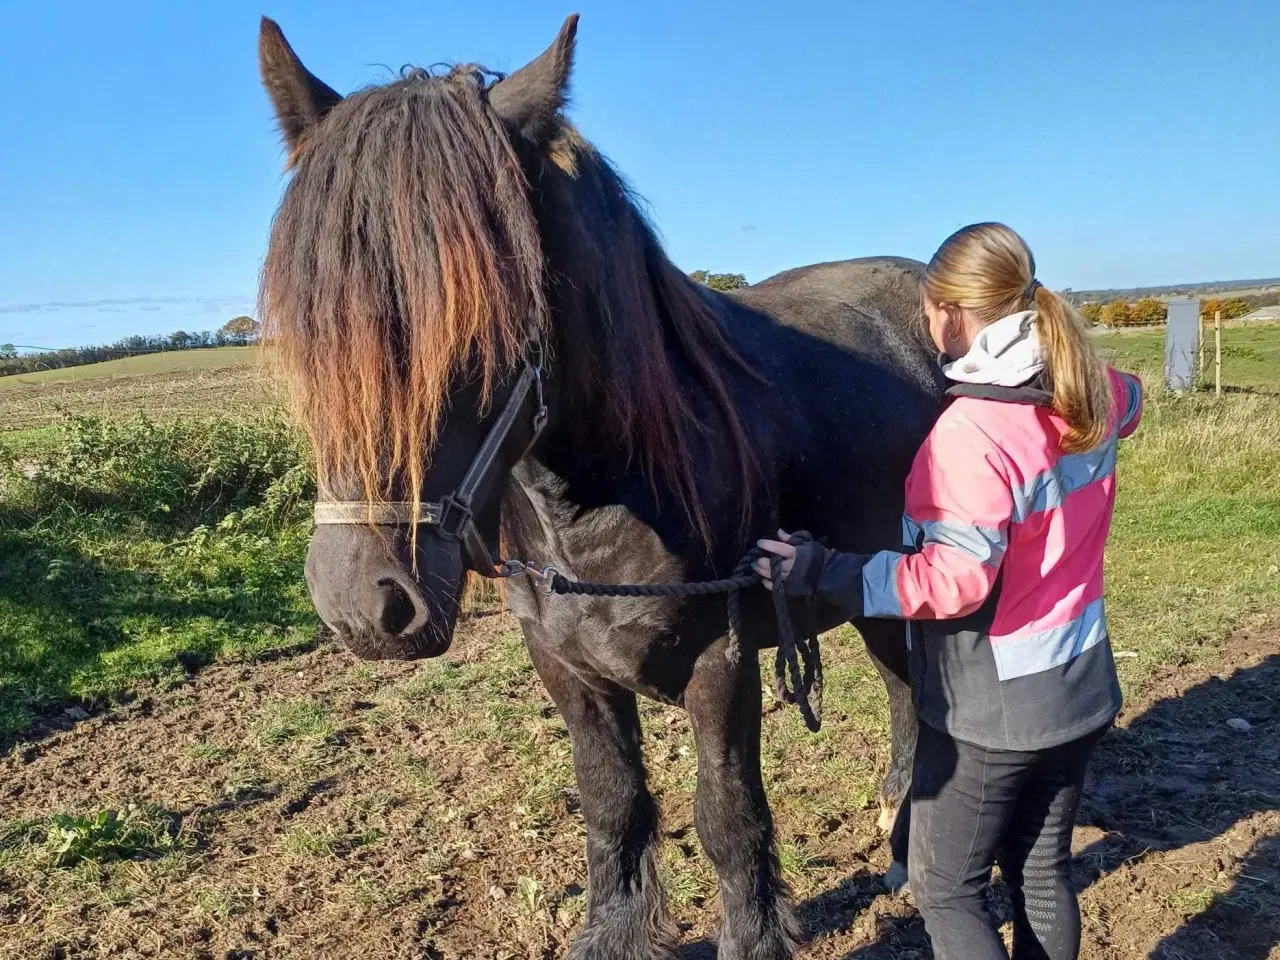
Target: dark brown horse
488, 346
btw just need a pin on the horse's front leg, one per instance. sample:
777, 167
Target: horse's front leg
731, 811
626, 907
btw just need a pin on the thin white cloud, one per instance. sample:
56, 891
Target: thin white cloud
117, 304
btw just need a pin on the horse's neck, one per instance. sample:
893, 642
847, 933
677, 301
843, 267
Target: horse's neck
547, 525
581, 503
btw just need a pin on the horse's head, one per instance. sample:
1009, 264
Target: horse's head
433, 230
403, 290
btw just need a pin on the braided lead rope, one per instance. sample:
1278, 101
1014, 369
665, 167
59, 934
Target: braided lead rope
797, 671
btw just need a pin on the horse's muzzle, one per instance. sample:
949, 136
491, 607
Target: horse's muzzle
373, 600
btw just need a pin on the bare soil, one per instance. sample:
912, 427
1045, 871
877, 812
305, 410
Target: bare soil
326, 808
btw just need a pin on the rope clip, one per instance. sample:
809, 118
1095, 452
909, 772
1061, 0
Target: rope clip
544, 576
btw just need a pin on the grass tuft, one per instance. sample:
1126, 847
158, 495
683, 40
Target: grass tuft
282, 722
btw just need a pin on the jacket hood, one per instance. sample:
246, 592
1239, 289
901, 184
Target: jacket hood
1007, 353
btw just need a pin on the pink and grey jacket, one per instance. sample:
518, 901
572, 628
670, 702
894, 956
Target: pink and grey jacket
1002, 578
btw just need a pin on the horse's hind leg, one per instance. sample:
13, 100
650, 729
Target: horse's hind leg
730, 810
626, 906
887, 645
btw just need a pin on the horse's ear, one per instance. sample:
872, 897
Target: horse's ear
300, 98
530, 98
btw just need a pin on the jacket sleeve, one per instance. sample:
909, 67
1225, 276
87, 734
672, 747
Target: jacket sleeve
1128, 400
959, 507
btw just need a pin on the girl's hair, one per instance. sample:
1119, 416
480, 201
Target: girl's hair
988, 269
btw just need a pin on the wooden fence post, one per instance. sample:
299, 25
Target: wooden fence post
1217, 352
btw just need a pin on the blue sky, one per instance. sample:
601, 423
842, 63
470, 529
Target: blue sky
1130, 142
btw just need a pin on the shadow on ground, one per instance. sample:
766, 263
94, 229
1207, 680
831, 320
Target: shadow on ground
1172, 796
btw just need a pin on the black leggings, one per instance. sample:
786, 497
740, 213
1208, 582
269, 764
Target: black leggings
972, 807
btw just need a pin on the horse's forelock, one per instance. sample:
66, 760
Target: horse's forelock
404, 253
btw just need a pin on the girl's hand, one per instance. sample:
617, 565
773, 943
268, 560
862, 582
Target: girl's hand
779, 548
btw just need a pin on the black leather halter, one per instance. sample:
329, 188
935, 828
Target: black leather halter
452, 516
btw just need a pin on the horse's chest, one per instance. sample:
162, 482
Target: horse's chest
625, 639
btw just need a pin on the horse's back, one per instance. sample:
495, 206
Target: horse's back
869, 306
891, 279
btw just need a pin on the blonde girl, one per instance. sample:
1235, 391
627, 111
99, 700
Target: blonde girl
1008, 506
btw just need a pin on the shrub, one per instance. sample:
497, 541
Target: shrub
1148, 312
181, 471
1115, 313
1230, 308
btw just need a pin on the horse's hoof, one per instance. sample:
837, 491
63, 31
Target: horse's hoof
888, 814
896, 880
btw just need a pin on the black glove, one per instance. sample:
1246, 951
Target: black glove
827, 575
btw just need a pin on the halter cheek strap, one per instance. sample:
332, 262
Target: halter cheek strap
452, 515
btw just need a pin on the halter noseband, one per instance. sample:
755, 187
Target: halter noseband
452, 515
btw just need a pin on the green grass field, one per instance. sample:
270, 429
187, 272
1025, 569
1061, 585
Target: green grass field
206, 383
132, 551
133, 548
1250, 355
1251, 358
170, 362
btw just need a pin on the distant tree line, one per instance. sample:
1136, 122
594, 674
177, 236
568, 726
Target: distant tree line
1218, 288
1150, 312
719, 281
238, 332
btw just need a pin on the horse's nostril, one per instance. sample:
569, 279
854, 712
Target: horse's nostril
395, 609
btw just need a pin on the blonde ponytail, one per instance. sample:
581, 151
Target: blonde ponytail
1074, 373
988, 269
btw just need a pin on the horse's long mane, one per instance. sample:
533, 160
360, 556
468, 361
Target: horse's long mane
406, 257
